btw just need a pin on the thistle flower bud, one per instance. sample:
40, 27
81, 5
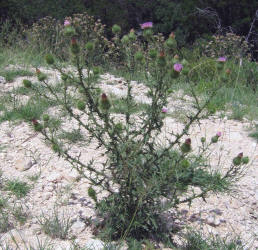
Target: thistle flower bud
185, 70
147, 33
171, 43
240, 155
214, 139
116, 29
45, 117
92, 194
238, 160
228, 71
89, 46
96, 70
186, 146
185, 163
119, 127
153, 53
176, 57
64, 77
55, 148
37, 126
172, 35
184, 62
74, 46
132, 36
161, 59
81, 90
27, 83
49, 59
81, 105
41, 76
203, 139
138, 56
245, 160
125, 39
104, 102
69, 31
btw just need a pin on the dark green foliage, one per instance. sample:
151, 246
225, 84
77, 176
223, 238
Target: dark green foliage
179, 16
30, 11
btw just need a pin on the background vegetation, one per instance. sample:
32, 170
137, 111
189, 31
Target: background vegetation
180, 16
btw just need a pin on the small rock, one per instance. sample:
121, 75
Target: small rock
216, 211
46, 196
93, 244
213, 221
29, 165
78, 227
72, 176
55, 177
2, 80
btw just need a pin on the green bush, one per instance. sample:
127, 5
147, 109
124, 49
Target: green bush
142, 177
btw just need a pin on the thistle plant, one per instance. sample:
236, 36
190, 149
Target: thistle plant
142, 176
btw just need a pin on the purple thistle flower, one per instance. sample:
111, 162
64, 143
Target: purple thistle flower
164, 110
178, 67
222, 59
219, 134
67, 23
146, 25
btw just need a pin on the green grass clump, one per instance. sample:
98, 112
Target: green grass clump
55, 225
197, 241
18, 188
254, 134
10, 75
5, 224
33, 109
119, 106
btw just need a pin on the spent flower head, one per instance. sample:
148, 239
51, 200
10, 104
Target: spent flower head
146, 25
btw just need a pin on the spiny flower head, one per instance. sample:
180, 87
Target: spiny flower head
38, 71
218, 134
178, 67
104, 97
172, 35
67, 23
188, 141
73, 41
146, 25
186, 146
34, 121
164, 110
240, 155
222, 59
